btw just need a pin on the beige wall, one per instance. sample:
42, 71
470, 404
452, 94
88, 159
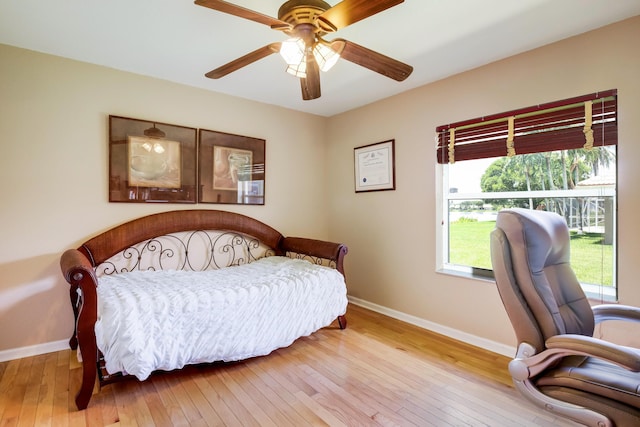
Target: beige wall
392, 235
53, 165
53, 169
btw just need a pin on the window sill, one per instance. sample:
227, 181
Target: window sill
595, 294
467, 275
600, 295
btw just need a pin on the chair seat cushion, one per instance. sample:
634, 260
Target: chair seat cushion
595, 376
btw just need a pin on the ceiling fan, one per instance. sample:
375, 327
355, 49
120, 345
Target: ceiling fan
307, 52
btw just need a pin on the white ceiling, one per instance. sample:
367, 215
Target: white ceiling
179, 41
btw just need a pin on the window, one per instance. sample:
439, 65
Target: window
559, 157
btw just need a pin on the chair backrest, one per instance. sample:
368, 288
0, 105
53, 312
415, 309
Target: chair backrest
530, 256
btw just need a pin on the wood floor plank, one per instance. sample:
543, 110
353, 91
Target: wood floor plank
177, 389
125, 402
96, 413
44, 410
216, 401
244, 396
286, 413
159, 413
239, 411
207, 412
61, 391
342, 405
276, 388
357, 381
377, 372
169, 401
32, 392
7, 380
318, 409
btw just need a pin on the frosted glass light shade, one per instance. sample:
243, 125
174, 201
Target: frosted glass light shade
292, 51
325, 56
298, 70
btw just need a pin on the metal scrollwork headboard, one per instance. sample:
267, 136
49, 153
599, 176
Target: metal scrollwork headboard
197, 250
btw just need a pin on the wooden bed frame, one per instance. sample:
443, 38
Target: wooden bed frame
246, 239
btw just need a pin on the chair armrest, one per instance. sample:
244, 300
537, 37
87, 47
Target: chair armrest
605, 312
528, 365
570, 344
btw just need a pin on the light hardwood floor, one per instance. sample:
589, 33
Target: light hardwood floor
377, 372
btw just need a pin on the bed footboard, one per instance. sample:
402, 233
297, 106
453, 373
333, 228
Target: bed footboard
78, 272
318, 252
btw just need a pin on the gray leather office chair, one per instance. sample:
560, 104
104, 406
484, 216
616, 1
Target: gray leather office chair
559, 365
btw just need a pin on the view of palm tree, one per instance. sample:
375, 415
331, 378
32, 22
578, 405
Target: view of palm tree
577, 184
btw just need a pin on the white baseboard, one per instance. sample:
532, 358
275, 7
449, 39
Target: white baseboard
33, 350
484, 343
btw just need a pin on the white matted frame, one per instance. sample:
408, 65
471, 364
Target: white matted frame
375, 168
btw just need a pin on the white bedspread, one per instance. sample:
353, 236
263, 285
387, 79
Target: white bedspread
163, 320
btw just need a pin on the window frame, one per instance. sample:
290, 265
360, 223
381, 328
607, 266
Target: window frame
492, 132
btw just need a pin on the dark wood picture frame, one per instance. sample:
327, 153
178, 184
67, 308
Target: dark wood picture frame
231, 168
374, 167
151, 162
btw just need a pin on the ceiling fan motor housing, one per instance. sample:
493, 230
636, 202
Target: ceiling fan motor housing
295, 12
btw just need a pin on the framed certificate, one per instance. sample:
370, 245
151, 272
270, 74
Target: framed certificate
375, 167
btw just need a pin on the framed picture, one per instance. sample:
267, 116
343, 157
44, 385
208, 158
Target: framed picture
151, 162
375, 167
231, 168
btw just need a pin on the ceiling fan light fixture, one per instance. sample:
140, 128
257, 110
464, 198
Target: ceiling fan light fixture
293, 51
298, 70
325, 56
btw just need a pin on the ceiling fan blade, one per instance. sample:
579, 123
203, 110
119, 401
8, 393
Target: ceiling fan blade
243, 61
311, 84
348, 12
232, 9
372, 60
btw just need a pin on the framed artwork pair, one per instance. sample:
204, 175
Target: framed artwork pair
165, 163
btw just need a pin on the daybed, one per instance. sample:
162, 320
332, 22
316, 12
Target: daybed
195, 286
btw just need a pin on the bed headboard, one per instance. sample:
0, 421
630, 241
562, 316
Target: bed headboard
187, 239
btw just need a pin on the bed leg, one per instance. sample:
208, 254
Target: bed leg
342, 321
86, 337
73, 296
89, 372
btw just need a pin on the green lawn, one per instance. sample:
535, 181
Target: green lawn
591, 261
